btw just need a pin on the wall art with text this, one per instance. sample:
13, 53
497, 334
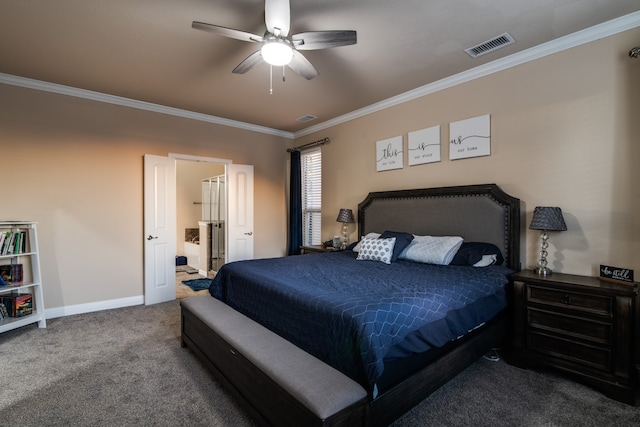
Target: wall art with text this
389, 154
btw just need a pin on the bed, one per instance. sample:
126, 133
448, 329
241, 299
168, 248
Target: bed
393, 325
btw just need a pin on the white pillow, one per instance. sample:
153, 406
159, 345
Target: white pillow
377, 250
486, 261
357, 247
432, 249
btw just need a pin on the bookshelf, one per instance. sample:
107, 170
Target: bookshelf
20, 265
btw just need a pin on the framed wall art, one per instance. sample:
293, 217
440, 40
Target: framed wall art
470, 138
424, 146
389, 154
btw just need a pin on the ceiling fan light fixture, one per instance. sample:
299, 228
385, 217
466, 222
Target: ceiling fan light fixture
277, 52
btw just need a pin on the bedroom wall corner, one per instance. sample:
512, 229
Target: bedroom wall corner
76, 167
563, 133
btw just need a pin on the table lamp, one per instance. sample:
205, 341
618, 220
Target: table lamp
546, 218
345, 216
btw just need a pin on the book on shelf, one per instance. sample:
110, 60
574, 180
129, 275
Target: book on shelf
18, 305
9, 246
6, 242
13, 242
6, 235
11, 273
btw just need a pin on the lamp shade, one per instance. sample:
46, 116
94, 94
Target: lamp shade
345, 215
547, 218
277, 52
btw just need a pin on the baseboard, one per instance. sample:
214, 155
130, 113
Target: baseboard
52, 313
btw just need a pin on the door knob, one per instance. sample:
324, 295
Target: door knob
150, 237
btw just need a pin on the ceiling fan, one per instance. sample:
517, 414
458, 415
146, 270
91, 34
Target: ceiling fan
278, 48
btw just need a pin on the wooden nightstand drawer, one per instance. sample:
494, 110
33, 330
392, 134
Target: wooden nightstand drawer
596, 304
575, 327
586, 355
582, 325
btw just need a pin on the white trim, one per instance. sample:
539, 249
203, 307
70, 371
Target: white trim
588, 35
193, 158
133, 103
52, 313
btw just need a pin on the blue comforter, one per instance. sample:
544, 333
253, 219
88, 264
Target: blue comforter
351, 313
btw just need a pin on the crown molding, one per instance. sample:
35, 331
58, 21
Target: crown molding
133, 103
588, 35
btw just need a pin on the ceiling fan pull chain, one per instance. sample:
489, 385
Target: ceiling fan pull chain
270, 79
283, 68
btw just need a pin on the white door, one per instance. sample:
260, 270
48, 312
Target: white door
240, 209
159, 229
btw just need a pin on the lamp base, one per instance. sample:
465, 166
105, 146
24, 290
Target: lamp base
542, 271
345, 236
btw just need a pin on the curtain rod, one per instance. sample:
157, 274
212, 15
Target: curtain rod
311, 144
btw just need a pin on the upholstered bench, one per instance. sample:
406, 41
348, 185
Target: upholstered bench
282, 384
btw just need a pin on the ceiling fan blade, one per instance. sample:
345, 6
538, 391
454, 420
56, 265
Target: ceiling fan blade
302, 66
277, 16
226, 32
250, 61
312, 40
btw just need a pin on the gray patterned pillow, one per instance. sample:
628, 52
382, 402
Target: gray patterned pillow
357, 247
377, 250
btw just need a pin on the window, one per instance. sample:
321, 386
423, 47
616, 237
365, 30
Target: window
311, 168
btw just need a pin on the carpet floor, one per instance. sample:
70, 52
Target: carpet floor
125, 367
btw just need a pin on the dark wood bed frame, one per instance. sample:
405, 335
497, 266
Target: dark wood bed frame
475, 212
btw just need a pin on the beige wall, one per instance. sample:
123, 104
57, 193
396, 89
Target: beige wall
564, 132
75, 166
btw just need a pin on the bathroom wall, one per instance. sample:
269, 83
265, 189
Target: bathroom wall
189, 176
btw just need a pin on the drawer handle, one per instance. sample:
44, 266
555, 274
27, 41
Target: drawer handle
565, 299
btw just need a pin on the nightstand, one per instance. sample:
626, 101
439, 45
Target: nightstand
581, 325
311, 249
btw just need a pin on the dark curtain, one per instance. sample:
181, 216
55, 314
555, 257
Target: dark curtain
295, 205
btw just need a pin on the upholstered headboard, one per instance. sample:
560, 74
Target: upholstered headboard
477, 213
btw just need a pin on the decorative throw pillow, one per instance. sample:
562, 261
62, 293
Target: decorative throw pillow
473, 253
377, 250
432, 249
486, 261
368, 236
402, 241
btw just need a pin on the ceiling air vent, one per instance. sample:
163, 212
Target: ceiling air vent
307, 118
490, 45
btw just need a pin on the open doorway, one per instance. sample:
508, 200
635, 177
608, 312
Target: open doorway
200, 215
160, 225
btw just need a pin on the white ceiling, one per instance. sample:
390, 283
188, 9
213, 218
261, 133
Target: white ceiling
146, 50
